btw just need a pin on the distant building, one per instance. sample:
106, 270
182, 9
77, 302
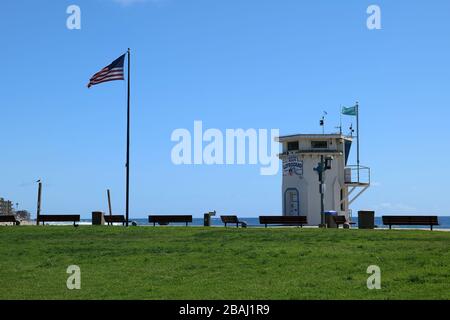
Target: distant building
6, 207
23, 215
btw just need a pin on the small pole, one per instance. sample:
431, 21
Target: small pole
109, 202
357, 134
322, 122
38, 211
322, 207
321, 168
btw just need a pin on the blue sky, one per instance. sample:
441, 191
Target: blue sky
231, 64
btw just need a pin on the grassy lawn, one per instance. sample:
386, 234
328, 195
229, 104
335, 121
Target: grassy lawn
219, 263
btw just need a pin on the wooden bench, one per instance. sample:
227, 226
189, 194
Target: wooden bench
411, 221
342, 220
233, 219
9, 218
284, 220
59, 218
115, 219
166, 219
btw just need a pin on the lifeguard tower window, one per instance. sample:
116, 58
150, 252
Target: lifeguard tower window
293, 146
319, 144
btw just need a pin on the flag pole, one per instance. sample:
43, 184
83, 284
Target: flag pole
357, 133
128, 146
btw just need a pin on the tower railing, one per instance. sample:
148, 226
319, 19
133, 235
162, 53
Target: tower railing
355, 175
356, 178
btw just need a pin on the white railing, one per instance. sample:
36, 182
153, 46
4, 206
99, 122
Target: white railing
355, 174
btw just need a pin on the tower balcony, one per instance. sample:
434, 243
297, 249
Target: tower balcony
357, 176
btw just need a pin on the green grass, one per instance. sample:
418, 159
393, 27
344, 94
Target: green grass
219, 263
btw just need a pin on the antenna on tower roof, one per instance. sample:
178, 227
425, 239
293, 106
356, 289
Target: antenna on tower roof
340, 122
322, 121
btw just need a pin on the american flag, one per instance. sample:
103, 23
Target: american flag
109, 73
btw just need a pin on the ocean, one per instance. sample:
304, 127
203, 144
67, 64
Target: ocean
254, 222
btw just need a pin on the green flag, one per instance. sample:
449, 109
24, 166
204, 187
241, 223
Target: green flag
351, 111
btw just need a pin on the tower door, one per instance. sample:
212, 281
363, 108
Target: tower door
291, 202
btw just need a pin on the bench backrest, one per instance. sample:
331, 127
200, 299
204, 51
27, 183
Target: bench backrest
115, 218
169, 218
229, 219
7, 218
59, 217
283, 220
410, 220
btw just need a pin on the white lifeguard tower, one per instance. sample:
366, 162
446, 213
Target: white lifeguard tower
303, 156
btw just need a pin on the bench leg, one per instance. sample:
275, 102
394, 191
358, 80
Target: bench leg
390, 226
237, 224
431, 227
